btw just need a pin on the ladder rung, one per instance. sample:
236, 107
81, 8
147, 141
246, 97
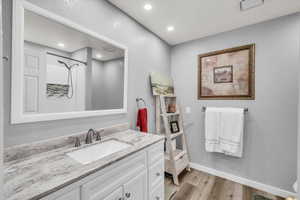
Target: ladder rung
174, 135
168, 96
178, 153
170, 114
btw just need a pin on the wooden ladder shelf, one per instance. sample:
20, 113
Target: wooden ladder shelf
176, 159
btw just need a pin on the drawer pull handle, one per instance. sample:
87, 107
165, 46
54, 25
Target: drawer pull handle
157, 198
157, 174
127, 194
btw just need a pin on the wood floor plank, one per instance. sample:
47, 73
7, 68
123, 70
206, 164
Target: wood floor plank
208, 188
192, 177
203, 181
247, 193
226, 191
265, 194
217, 188
196, 185
238, 191
186, 192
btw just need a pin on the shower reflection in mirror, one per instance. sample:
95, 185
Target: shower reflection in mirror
66, 70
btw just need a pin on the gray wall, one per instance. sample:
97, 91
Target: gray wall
298, 141
270, 150
1, 109
101, 17
108, 84
98, 91
88, 80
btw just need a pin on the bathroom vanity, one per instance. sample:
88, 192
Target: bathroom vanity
135, 172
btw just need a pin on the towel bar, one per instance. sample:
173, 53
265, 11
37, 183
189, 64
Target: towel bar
204, 109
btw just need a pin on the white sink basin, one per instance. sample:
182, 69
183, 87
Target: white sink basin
98, 151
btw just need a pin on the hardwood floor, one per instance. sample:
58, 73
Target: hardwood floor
196, 185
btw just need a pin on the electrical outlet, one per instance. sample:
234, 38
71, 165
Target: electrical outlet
188, 110
248, 4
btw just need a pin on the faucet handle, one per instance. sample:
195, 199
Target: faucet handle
77, 142
98, 135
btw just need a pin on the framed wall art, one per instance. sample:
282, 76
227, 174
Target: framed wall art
161, 84
174, 127
227, 74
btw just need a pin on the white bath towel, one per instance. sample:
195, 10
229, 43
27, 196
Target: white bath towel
212, 129
224, 130
232, 131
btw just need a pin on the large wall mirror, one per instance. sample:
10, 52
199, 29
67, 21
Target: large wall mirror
62, 70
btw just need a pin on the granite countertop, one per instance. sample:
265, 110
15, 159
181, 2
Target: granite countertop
37, 175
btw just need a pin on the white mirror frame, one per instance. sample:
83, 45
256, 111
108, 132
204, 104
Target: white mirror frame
17, 114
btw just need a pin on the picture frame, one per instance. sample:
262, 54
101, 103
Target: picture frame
161, 84
174, 127
227, 74
223, 74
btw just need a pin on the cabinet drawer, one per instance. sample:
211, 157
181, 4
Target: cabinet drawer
156, 173
158, 193
155, 152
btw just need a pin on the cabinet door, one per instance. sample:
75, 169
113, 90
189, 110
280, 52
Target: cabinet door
136, 188
114, 177
115, 195
157, 193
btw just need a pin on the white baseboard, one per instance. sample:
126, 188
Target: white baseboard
260, 186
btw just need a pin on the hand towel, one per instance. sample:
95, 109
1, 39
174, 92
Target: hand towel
232, 131
295, 186
212, 129
142, 120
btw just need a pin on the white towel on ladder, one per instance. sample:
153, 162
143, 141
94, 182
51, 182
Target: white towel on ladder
224, 130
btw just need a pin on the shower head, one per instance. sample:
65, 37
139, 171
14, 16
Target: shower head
67, 66
74, 65
63, 63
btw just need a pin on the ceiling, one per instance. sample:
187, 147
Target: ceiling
194, 19
46, 32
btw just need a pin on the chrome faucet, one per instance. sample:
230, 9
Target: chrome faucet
92, 133
89, 136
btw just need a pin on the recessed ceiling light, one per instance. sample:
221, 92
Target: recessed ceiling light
99, 56
70, 2
61, 44
148, 6
170, 28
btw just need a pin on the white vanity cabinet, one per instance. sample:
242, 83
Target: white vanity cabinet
139, 176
